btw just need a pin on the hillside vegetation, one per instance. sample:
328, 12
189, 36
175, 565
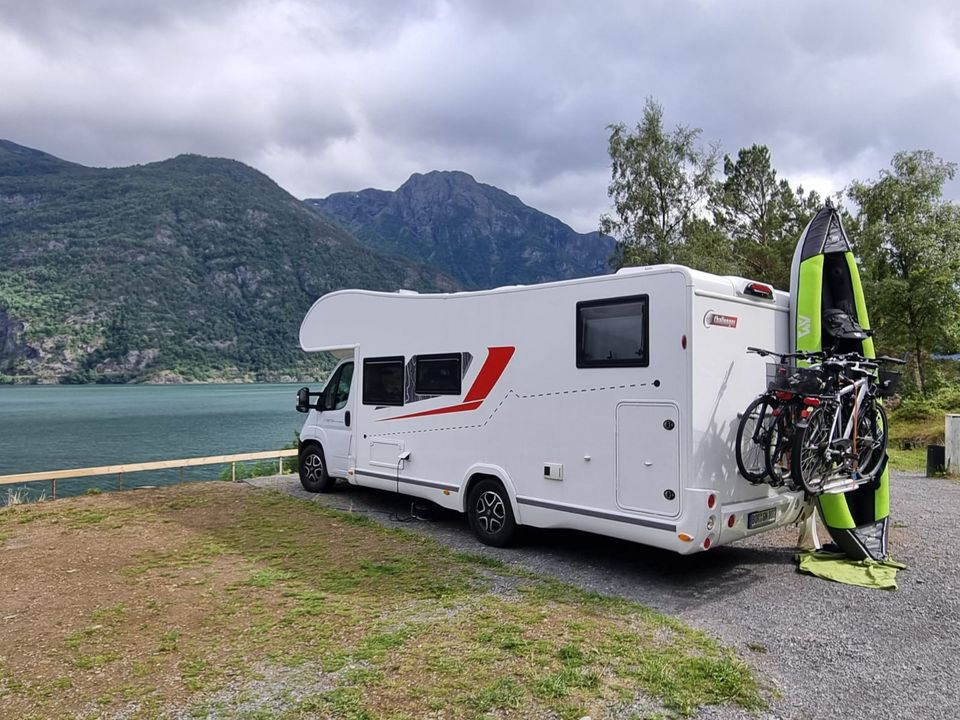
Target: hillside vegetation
192, 268
479, 234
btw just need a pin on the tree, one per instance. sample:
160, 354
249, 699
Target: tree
659, 180
909, 240
762, 215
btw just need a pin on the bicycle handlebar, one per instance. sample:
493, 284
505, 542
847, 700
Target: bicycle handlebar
801, 354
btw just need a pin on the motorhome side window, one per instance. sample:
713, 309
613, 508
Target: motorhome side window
613, 332
383, 381
438, 374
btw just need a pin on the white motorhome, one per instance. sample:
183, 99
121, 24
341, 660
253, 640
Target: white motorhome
607, 404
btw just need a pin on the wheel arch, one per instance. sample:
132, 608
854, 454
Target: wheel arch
481, 471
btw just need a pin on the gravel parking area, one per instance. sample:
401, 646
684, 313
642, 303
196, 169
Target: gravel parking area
825, 650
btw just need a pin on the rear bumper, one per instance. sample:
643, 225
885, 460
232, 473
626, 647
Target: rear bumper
788, 506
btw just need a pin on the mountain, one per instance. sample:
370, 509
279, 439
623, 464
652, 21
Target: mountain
191, 268
479, 234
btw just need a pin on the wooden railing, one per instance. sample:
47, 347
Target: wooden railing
52, 476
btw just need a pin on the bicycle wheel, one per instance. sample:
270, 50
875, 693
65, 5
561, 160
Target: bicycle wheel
811, 462
778, 448
871, 438
752, 434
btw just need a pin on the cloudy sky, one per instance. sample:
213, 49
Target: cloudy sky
331, 96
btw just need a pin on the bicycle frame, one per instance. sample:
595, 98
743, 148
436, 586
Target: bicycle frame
859, 388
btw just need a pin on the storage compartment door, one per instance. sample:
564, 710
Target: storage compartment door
648, 458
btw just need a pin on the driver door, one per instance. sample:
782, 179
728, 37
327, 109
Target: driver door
336, 420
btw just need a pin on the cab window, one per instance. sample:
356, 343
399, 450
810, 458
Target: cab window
337, 391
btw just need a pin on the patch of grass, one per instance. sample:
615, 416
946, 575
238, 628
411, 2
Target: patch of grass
404, 626
913, 460
478, 559
268, 577
501, 694
92, 661
169, 642
193, 671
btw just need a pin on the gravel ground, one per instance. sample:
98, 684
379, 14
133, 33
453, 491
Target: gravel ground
825, 650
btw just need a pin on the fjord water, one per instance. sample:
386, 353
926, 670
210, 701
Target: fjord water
67, 426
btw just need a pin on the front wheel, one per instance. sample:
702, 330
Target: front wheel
489, 513
313, 470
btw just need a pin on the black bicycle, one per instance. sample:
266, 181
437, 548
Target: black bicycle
764, 422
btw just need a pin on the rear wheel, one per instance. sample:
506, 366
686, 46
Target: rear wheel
811, 463
779, 448
871, 439
753, 433
489, 513
313, 470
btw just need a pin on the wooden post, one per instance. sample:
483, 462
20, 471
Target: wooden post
53, 488
281, 467
233, 471
951, 431
119, 481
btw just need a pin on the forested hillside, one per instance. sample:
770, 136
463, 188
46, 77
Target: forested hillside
191, 268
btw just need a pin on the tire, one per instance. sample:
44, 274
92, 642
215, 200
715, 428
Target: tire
871, 439
809, 463
313, 470
753, 432
779, 449
489, 513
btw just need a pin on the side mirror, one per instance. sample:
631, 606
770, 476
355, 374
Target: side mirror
303, 400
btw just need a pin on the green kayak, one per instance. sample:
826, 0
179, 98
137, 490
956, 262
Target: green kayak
825, 283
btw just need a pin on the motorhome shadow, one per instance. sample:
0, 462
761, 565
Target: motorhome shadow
606, 404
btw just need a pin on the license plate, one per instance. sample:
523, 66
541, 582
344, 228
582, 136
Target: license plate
759, 518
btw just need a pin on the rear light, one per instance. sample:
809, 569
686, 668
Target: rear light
811, 402
759, 290
711, 500
706, 544
685, 537
731, 521
782, 395
711, 522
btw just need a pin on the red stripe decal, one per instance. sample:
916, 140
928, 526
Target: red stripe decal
493, 367
441, 411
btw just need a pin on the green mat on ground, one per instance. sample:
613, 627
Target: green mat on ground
839, 568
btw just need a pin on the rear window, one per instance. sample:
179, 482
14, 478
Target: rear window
438, 374
613, 332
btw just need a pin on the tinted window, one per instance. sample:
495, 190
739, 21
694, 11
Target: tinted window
383, 381
342, 392
337, 390
613, 332
438, 374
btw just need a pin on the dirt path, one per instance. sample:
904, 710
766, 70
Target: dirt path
829, 650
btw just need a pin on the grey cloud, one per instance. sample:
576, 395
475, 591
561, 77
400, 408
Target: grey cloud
319, 95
